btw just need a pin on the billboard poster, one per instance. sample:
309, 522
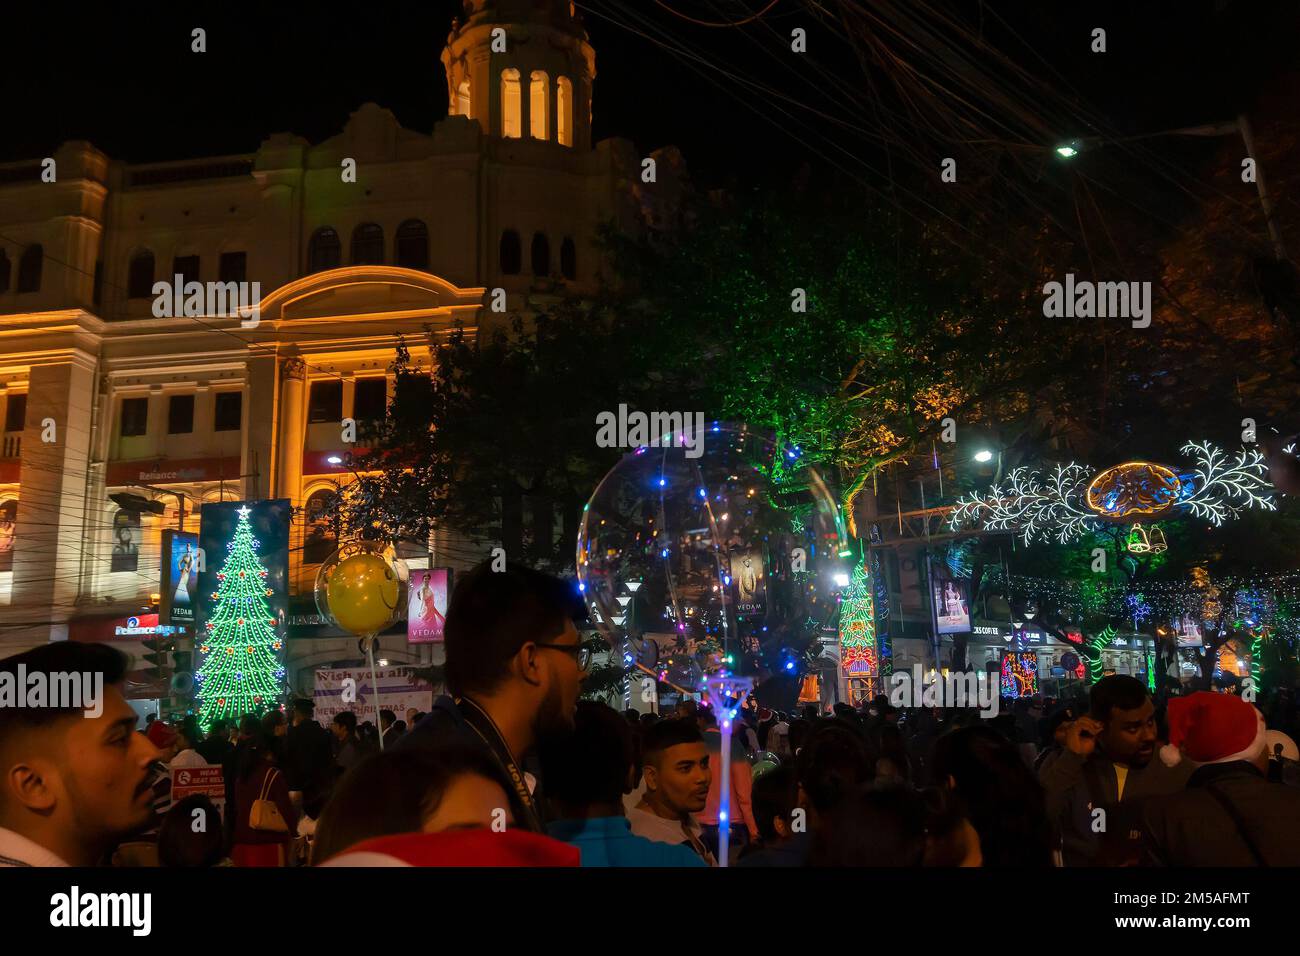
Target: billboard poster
747, 580
342, 688
1187, 630
8, 521
950, 601
180, 577
426, 608
241, 608
126, 541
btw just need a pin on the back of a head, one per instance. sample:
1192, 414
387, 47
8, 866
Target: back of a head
304, 708
347, 720
872, 828
249, 725
494, 613
1117, 691
105, 664
1004, 799
660, 736
181, 844
395, 792
590, 765
774, 794
832, 764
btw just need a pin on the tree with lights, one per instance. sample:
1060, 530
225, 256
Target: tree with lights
241, 669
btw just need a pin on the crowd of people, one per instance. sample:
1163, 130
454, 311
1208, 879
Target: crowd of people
513, 768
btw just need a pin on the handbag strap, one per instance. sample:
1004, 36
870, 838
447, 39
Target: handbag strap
1237, 820
267, 781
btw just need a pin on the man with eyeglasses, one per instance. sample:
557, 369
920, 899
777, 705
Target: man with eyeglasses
514, 670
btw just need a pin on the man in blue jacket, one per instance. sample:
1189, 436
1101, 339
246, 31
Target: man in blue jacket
587, 775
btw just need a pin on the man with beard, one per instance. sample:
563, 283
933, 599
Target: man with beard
514, 669
1097, 785
74, 780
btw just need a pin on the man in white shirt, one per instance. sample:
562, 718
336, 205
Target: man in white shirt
677, 776
74, 775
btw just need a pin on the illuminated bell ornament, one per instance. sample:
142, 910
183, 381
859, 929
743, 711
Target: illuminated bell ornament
362, 593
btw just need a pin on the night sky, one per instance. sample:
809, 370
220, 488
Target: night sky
129, 84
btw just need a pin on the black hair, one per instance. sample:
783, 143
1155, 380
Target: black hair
347, 720
1005, 801
1118, 690
872, 828
249, 725
395, 792
180, 845
220, 727
386, 713
707, 717
591, 764
61, 657
663, 734
774, 794
494, 613
304, 707
188, 727
833, 763
944, 816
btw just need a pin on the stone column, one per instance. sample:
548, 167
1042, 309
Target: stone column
291, 434
48, 538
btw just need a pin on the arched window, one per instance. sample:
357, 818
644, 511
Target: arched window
511, 254
367, 245
29, 269
538, 101
568, 259
462, 99
4, 271
412, 245
139, 275
564, 111
541, 254
511, 104
324, 251
320, 539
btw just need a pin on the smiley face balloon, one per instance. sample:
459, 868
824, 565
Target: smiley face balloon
363, 591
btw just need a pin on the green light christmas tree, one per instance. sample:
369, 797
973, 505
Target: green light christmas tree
241, 670
858, 652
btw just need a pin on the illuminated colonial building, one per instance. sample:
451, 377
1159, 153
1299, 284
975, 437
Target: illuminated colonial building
98, 396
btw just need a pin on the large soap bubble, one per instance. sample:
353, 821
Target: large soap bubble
695, 560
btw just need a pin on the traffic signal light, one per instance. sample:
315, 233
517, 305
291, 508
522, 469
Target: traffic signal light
157, 651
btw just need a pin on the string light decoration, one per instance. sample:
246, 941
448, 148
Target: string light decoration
858, 653
241, 670
1140, 541
1151, 673
1071, 500
1020, 674
1092, 652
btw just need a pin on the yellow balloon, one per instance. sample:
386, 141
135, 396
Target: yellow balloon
362, 594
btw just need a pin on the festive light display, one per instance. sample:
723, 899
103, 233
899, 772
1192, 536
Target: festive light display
1020, 675
1096, 664
241, 669
1066, 504
858, 653
1140, 541
1151, 673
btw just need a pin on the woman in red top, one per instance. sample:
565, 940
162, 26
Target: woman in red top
260, 777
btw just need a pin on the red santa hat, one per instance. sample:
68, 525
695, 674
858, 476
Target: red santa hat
160, 735
459, 848
1213, 728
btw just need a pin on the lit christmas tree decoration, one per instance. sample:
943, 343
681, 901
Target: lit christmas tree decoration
223, 690
858, 654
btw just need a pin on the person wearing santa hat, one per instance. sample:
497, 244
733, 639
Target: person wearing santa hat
1096, 785
1229, 814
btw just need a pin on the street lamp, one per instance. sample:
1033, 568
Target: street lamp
983, 455
1068, 150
